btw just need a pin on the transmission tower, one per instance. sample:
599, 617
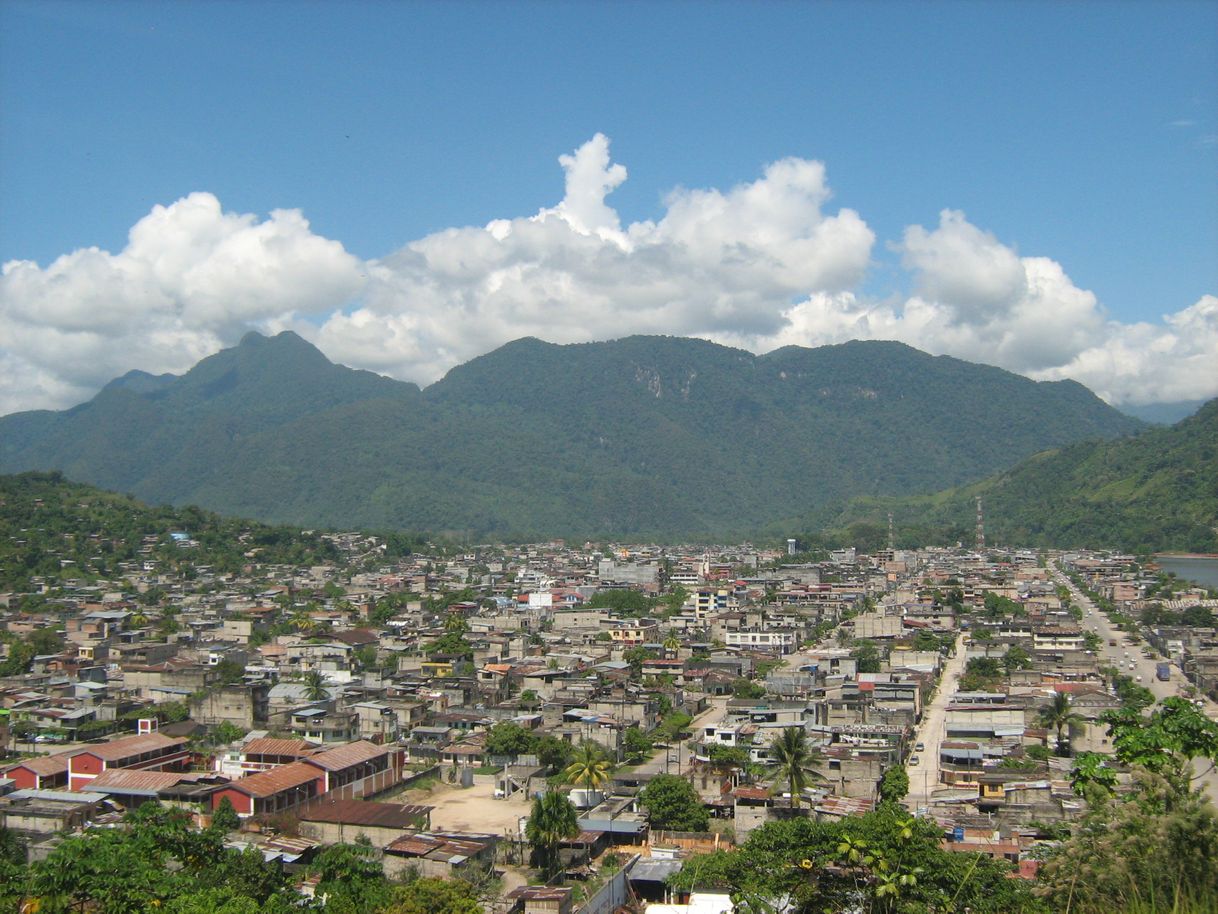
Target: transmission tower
980, 526
892, 540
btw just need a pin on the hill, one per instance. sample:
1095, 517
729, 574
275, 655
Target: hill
1157, 491
53, 528
644, 436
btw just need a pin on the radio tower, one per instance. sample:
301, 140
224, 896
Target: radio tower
980, 526
892, 540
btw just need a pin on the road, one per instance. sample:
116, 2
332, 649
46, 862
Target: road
932, 730
1128, 649
678, 757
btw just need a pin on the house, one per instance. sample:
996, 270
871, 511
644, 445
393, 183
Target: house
143, 752
47, 772
441, 855
345, 821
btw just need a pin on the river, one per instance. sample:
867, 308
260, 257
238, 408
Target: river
1202, 570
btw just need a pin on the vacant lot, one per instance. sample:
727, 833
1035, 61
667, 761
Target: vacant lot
471, 809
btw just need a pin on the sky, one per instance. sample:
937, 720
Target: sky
410, 185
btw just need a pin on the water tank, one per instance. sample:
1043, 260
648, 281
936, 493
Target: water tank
586, 799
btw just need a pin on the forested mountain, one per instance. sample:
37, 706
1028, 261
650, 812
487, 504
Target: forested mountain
1157, 491
645, 436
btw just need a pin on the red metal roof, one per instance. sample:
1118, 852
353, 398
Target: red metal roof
132, 745
345, 756
268, 783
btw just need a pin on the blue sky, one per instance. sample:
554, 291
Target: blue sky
1084, 133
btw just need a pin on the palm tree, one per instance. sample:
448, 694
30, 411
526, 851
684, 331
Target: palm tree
671, 644
315, 686
551, 820
791, 759
1060, 717
589, 768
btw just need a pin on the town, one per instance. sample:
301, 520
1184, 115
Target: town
565, 728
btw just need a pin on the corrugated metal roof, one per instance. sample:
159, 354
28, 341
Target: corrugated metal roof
295, 748
364, 812
44, 765
345, 756
132, 745
269, 783
126, 779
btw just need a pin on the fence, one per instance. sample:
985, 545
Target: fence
613, 894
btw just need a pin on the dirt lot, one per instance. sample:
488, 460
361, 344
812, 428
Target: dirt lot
472, 809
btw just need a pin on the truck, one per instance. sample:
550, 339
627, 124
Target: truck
1163, 671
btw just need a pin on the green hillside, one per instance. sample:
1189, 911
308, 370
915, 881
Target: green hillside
1157, 491
56, 529
643, 437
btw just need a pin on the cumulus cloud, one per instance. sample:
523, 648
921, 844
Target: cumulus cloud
191, 279
759, 265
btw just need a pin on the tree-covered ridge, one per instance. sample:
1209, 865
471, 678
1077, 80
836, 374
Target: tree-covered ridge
56, 529
1157, 491
645, 436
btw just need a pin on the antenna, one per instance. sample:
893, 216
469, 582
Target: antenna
980, 526
892, 540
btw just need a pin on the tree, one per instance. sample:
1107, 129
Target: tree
791, 759
1060, 716
509, 739
894, 785
636, 744
429, 895
589, 768
552, 820
672, 803
225, 818
867, 656
1166, 742
1016, 658
746, 688
315, 686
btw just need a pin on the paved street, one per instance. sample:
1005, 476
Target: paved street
924, 777
1128, 648
678, 760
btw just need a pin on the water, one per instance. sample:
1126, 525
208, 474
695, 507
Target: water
1203, 571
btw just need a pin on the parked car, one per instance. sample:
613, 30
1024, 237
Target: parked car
921, 747
913, 760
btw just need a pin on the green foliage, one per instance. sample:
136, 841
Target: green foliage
791, 761
510, 739
894, 785
867, 655
1151, 493
428, 895
672, 803
746, 688
589, 768
225, 818
583, 443
636, 744
551, 821
48, 521
848, 865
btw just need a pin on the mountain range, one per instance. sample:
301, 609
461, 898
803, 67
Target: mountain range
639, 437
1157, 491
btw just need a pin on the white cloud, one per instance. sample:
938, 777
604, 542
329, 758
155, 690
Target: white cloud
191, 279
760, 265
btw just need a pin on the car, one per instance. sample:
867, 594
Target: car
921, 747
913, 760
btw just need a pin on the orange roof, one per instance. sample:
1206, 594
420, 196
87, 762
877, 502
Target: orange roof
132, 745
269, 783
43, 765
345, 756
297, 748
